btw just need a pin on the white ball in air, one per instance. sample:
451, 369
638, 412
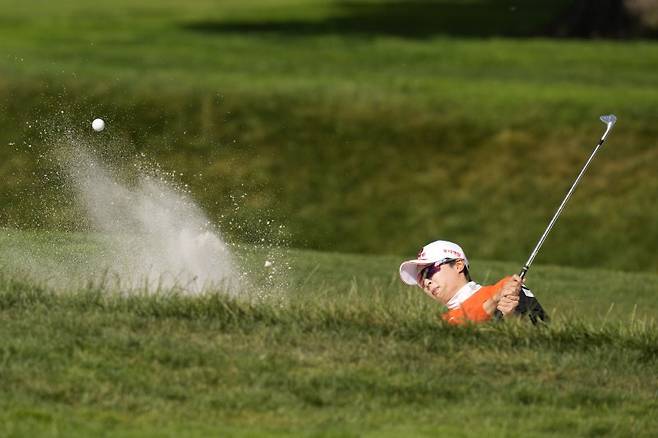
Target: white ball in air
98, 125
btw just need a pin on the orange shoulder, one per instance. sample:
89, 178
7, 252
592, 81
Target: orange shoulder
454, 316
479, 307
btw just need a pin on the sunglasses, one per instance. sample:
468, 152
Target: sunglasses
428, 271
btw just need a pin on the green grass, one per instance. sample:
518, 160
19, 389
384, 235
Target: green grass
364, 127
344, 133
343, 350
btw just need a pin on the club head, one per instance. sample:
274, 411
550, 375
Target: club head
609, 119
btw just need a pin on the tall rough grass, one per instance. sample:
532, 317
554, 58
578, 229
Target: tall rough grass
403, 317
318, 358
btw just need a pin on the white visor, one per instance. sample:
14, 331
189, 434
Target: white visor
437, 251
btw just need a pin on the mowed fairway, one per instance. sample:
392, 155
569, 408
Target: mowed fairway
343, 350
332, 120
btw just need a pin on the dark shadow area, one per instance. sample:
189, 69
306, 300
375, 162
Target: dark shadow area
411, 19
596, 19
427, 18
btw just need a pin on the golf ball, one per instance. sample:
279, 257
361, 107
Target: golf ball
98, 125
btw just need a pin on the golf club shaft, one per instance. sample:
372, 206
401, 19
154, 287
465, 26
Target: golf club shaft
526, 267
609, 120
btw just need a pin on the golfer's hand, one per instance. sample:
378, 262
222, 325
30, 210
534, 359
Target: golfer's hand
509, 296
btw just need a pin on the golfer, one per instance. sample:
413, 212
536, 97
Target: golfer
441, 270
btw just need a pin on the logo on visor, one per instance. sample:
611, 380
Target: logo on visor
453, 252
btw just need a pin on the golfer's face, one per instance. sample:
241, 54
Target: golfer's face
438, 285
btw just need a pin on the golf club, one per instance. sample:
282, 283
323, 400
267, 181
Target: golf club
609, 120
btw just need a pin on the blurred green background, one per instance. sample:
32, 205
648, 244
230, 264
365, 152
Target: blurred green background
362, 126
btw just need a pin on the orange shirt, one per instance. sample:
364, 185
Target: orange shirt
479, 307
